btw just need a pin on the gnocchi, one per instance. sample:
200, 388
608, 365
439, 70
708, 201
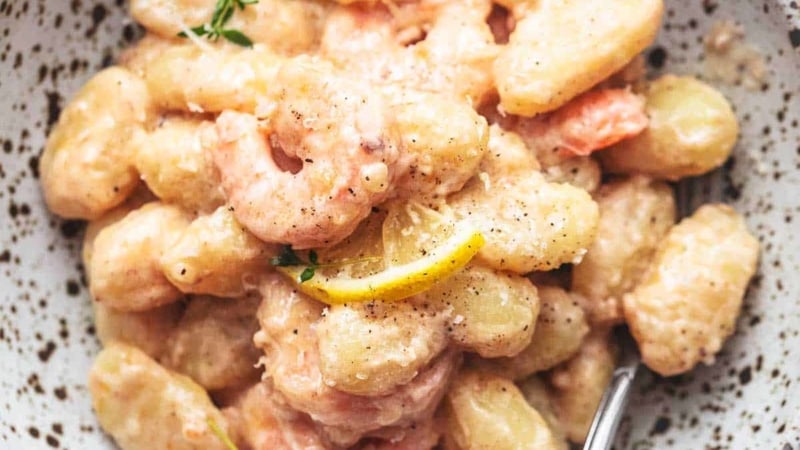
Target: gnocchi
690, 295
560, 330
579, 383
178, 79
581, 171
381, 225
635, 214
528, 223
487, 411
288, 28
692, 130
292, 361
506, 154
124, 272
172, 161
144, 406
492, 313
215, 255
213, 342
536, 394
87, 167
371, 348
149, 331
565, 64
443, 156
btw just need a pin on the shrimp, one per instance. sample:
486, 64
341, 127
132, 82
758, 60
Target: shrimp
262, 422
290, 342
590, 122
390, 46
338, 136
419, 436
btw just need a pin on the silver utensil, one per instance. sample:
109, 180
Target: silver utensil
615, 398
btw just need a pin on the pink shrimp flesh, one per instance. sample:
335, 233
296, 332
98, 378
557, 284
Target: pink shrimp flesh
339, 135
590, 122
290, 344
263, 422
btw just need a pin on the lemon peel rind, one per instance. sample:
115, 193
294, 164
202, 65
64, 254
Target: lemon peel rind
398, 282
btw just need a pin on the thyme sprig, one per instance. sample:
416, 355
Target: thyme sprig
215, 28
288, 258
221, 434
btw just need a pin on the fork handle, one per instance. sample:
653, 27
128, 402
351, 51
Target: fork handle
609, 412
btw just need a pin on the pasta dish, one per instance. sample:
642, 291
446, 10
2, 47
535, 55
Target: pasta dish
396, 224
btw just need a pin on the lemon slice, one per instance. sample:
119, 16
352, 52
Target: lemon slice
420, 248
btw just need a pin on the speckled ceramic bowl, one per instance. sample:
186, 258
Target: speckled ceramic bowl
749, 400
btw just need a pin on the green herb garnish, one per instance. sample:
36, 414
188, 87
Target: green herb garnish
288, 258
221, 434
215, 29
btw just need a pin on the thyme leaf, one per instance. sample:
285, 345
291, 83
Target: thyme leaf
308, 274
288, 258
215, 28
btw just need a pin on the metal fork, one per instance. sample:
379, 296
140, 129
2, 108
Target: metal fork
615, 398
